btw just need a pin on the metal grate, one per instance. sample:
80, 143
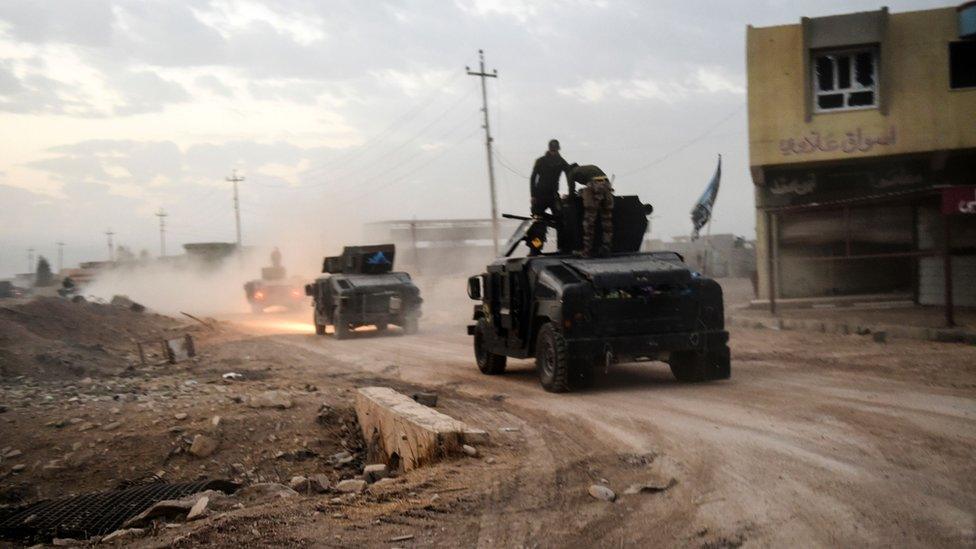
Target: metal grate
81, 517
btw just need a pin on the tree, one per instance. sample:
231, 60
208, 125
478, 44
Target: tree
43, 276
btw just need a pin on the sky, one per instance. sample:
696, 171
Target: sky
338, 113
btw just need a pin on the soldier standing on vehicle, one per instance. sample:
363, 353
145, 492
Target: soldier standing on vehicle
544, 181
597, 202
275, 258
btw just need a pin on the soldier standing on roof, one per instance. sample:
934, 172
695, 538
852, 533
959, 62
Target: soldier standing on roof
597, 202
544, 181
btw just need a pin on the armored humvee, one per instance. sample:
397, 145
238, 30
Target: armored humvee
274, 289
361, 289
577, 316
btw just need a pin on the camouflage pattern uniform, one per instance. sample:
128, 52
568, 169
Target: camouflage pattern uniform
597, 202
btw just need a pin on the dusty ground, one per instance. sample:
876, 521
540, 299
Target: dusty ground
817, 440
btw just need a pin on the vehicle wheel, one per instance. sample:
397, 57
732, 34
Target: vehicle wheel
489, 363
340, 325
411, 325
320, 329
692, 366
552, 360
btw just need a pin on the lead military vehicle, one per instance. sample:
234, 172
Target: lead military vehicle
577, 316
359, 288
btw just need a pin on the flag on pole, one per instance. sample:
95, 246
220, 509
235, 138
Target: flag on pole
701, 214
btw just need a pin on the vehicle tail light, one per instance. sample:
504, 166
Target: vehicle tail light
259, 295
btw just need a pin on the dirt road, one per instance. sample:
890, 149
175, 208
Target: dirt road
816, 440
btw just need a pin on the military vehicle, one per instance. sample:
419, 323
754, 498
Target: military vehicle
359, 288
273, 289
578, 316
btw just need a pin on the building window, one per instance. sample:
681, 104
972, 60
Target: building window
962, 64
845, 79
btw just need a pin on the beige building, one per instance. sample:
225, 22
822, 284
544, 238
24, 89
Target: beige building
860, 127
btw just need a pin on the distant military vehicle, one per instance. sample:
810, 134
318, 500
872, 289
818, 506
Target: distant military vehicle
361, 289
577, 316
274, 289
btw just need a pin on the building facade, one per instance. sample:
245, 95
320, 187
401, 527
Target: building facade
862, 145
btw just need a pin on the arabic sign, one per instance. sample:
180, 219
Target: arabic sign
959, 200
863, 179
852, 142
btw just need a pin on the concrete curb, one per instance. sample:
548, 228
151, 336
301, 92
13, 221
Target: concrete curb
879, 331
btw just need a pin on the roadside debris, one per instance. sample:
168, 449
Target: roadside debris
203, 446
351, 485
602, 492
173, 350
271, 399
204, 322
124, 302
427, 399
233, 376
375, 472
657, 485
471, 451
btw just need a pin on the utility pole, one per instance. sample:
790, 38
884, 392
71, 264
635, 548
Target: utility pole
111, 246
491, 161
60, 256
30, 260
162, 232
235, 179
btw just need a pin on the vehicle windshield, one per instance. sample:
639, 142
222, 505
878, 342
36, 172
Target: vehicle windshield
376, 280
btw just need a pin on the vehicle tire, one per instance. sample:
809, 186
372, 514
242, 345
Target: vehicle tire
411, 325
552, 360
489, 363
341, 326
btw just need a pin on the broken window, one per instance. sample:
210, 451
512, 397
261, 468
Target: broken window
845, 79
962, 64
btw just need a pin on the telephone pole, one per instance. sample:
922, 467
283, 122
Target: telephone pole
162, 232
491, 161
30, 260
235, 179
111, 247
60, 256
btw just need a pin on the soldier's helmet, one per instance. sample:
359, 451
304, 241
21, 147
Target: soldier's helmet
553, 145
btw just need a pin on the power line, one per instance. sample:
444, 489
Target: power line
680, 148
111, 247
491, 165
162, 232
235, 179
60, 255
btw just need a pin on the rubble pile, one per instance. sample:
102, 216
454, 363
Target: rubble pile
51, 338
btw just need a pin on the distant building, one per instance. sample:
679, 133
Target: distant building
862, 147
719, 256
441, 246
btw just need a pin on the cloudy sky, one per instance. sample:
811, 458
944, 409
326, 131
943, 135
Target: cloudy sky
342, 112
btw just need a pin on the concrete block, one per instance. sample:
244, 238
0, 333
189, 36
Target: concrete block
403, 433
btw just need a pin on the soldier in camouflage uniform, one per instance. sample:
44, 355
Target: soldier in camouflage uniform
597, 202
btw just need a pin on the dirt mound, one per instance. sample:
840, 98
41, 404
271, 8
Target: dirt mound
51, 338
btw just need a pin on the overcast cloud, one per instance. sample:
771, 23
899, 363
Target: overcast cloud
348, 111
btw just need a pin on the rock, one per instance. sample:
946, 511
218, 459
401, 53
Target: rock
341, 458
471, 451
203, 446
401, 538
65, 542
169, 508
18, 468
299, 484
475, 436
111, 426
508, 429
125, 533
602, 492
271, 399
351, 485
181, 416
427, 399
489, 460
10, 454
319, 482
124, 302
86, 426
199, 509
384, 482
326, 415
374, 472
880, 337
215, 422
656, 485
265, 491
